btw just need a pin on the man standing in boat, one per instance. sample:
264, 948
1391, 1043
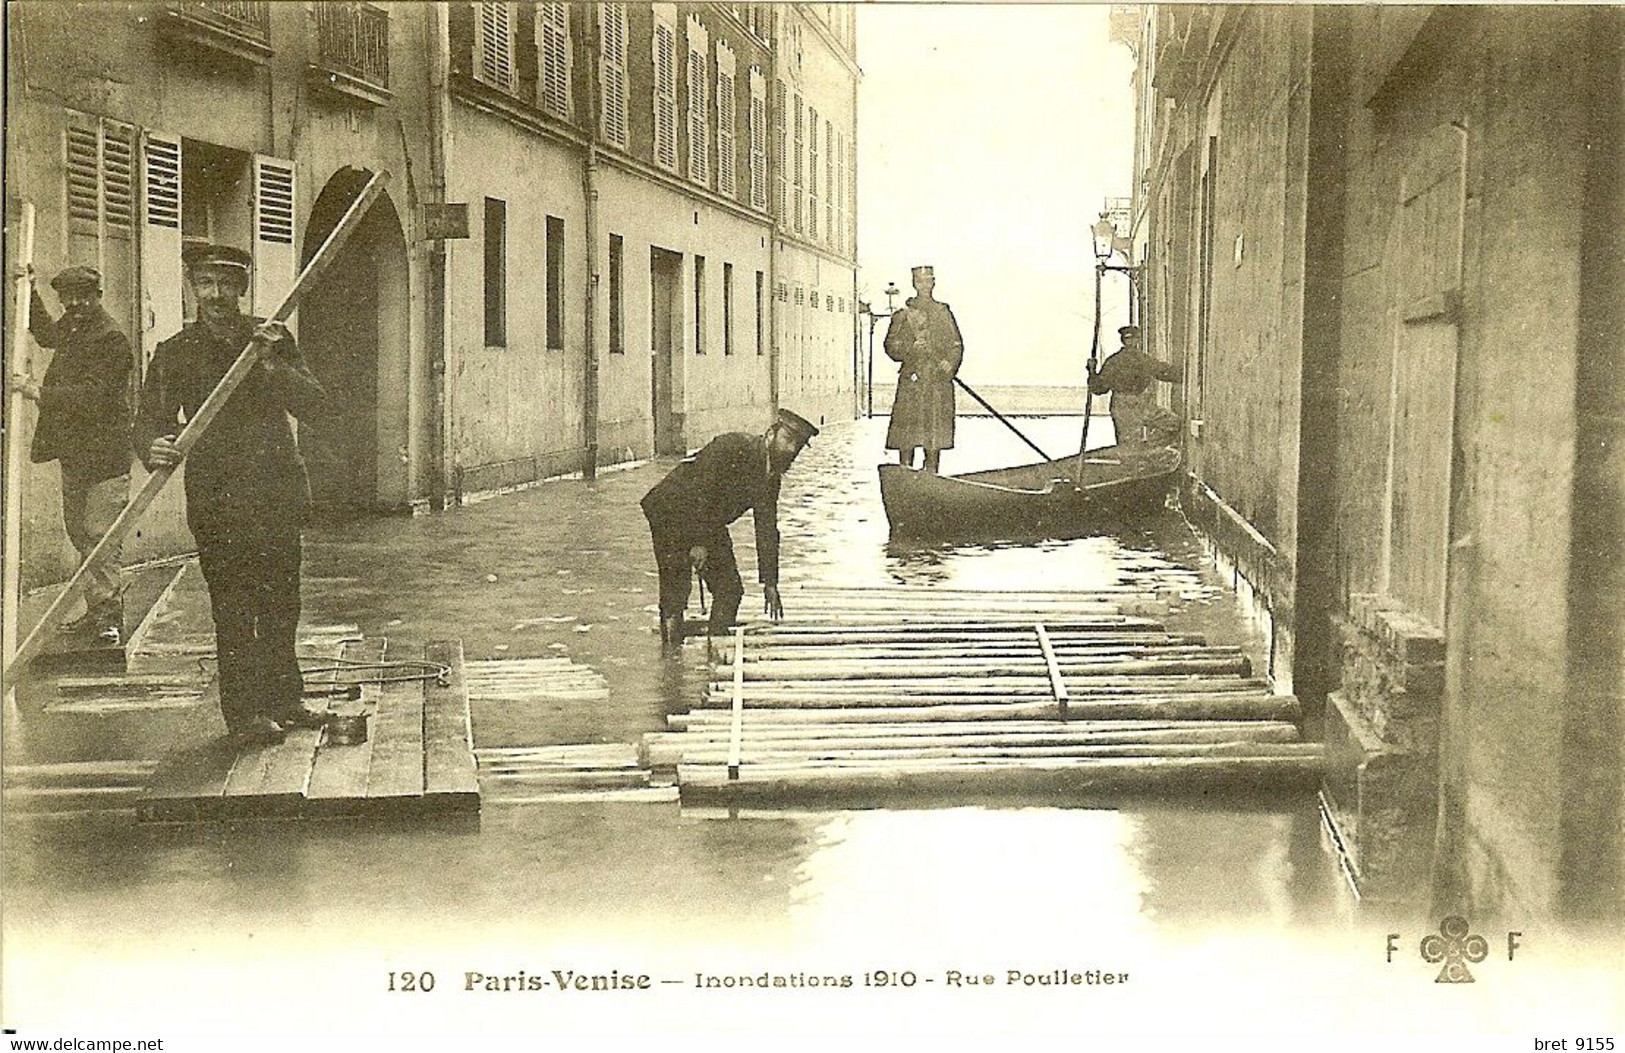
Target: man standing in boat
924, 337
1129, 376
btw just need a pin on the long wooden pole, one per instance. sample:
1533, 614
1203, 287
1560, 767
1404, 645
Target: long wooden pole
1088, 396
989, 407
200, 422
16, 365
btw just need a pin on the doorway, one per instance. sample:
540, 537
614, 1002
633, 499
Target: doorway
354, 333
665, 336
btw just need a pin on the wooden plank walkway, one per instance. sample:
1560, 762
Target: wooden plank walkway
899, 692
417, 759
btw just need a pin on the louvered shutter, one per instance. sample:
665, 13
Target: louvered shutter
699, 129
274, 256
812, 173
831, 191
727, 114
162, 310
798, 182
665, 95
494, 45
781, 151
758, 139
612, 36
553, 47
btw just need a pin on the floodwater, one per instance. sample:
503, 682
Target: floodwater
1235, 908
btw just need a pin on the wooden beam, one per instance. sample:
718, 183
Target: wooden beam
738, 703
449, 777
17, 364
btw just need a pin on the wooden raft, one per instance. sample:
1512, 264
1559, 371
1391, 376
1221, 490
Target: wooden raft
926, 692
417, 760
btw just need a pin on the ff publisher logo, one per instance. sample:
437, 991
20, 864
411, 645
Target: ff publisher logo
1453, 947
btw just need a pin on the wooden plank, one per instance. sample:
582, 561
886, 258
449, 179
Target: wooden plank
449, 777
1218, 707
287, 775
189, 783
738, 703
397, 749
339, 772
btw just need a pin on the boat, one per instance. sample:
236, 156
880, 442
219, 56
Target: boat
1120, 484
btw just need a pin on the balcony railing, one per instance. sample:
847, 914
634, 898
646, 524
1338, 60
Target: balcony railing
353, 40
241, 27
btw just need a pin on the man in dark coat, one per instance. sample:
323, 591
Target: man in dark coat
247, 494
1129, 376
690, 509
84, 425
924, 337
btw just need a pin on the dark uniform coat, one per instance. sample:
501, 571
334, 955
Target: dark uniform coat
247, 496
694, 504
84, 404
1131, 371
924, 337
246, 471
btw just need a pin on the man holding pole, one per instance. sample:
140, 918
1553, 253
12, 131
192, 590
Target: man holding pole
84, 425
247, 494
1130, 375
924, 337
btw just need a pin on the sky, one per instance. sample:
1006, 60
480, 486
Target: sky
989, 135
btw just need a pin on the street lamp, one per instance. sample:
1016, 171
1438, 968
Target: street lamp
1105, 237
892, 292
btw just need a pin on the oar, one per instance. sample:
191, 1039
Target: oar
245, 363
1088, 396
985, 405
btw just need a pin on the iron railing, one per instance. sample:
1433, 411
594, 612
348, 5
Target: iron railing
353, 39
250, 19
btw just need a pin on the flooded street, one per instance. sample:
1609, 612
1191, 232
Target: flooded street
1172, 893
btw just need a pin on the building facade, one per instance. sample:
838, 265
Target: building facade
1385, 246
590, 246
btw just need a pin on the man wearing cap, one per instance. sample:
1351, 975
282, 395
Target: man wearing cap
1128, 375
84, 425
246, 490
924, 337
690, 509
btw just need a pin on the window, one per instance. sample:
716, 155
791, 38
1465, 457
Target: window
553, 56
699, 305
758, 139
496, 273
612, 47
727, 114
727, 308
494, 46
761, 309
699, 95
555, 282
665, 86
617, 317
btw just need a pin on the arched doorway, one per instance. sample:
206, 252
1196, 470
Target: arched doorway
353, 329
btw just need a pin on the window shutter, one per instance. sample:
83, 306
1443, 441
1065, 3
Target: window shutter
612, 113
781, 147
665, 96
812, 173
84, 179
699, 110
831, 192
274, 258
797, 191
758, 139
727, 114
553, 46
493, 45
162, 310
118, 178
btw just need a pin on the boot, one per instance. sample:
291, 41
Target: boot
671, 632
